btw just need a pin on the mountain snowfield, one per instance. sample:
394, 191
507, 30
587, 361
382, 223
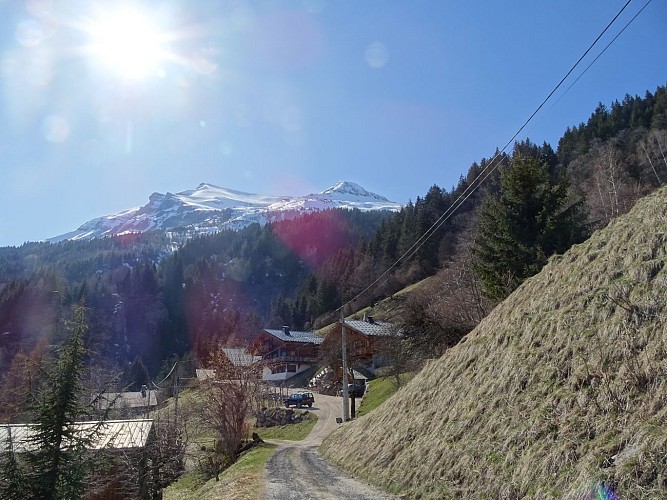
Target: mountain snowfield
209, 209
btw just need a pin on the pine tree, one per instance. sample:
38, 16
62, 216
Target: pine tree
13, 481
57, 470
136, 376
523, 225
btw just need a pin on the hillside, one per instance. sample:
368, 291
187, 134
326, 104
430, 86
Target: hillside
559, 392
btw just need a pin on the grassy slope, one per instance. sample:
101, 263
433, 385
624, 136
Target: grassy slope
242, 481
378, 391
245, 479
560, 389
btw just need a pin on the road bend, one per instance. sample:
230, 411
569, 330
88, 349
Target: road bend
297, 471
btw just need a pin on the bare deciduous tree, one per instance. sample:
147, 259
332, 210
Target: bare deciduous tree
452, 304
398, 353
229, 399
21, 379
652, 152
613, 191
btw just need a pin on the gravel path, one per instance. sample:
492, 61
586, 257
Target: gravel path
297, 471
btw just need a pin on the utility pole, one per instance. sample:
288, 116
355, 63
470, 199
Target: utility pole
175, 393
346, 394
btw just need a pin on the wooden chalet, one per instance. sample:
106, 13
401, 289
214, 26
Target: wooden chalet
204, 374
364, 340
285, 353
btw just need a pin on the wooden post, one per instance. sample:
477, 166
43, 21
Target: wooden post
346, 395
175, 394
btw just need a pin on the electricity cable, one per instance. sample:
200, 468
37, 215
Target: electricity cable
526, 123
168, 375
597, 57
487, 170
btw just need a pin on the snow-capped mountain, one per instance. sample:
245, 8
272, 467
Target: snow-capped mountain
208, 209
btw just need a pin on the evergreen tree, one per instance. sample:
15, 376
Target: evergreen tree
57, 469
136, 376
530, 219
13, 481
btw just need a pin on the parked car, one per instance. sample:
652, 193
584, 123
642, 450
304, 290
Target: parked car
300, 399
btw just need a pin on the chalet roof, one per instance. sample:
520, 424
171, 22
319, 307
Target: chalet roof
301, 337
127, 400
240, 357
204, 374
374, 329
111, 434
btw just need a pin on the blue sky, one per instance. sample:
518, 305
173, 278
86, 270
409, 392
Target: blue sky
287, 97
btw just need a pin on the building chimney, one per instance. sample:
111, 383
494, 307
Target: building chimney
286, 330
370, 319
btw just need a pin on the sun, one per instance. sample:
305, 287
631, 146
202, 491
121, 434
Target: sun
127, 43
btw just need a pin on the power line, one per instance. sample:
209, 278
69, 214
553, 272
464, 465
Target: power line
493, 163
598, 56
605, 49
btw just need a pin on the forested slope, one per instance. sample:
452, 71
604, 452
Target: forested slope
559, 393
152, 297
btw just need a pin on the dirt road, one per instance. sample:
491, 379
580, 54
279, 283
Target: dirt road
296, 471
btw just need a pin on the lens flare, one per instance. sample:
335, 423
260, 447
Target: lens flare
29, 33
377, 55
56, 128
603, 491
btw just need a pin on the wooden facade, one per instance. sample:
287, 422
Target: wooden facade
285, 353
364, 340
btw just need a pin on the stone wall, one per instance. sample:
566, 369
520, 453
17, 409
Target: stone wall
270, 417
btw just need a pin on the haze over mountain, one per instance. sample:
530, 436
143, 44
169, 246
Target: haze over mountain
209, 209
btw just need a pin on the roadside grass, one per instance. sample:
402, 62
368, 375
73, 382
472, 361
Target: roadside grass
244, 480
379, 390
291, 432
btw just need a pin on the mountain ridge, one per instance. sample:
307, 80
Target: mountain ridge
210, 208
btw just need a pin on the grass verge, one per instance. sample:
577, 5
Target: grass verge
244, 480
291, 432
379, 390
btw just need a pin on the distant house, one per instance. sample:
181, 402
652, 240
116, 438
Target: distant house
127, 440
109, 435
237, 356
285, 353
204, 374
364, 340
129, 403
241, 357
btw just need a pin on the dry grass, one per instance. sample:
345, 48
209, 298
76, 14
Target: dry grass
558, 393
242, 481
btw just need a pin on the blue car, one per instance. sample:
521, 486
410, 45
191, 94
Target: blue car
300, 399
